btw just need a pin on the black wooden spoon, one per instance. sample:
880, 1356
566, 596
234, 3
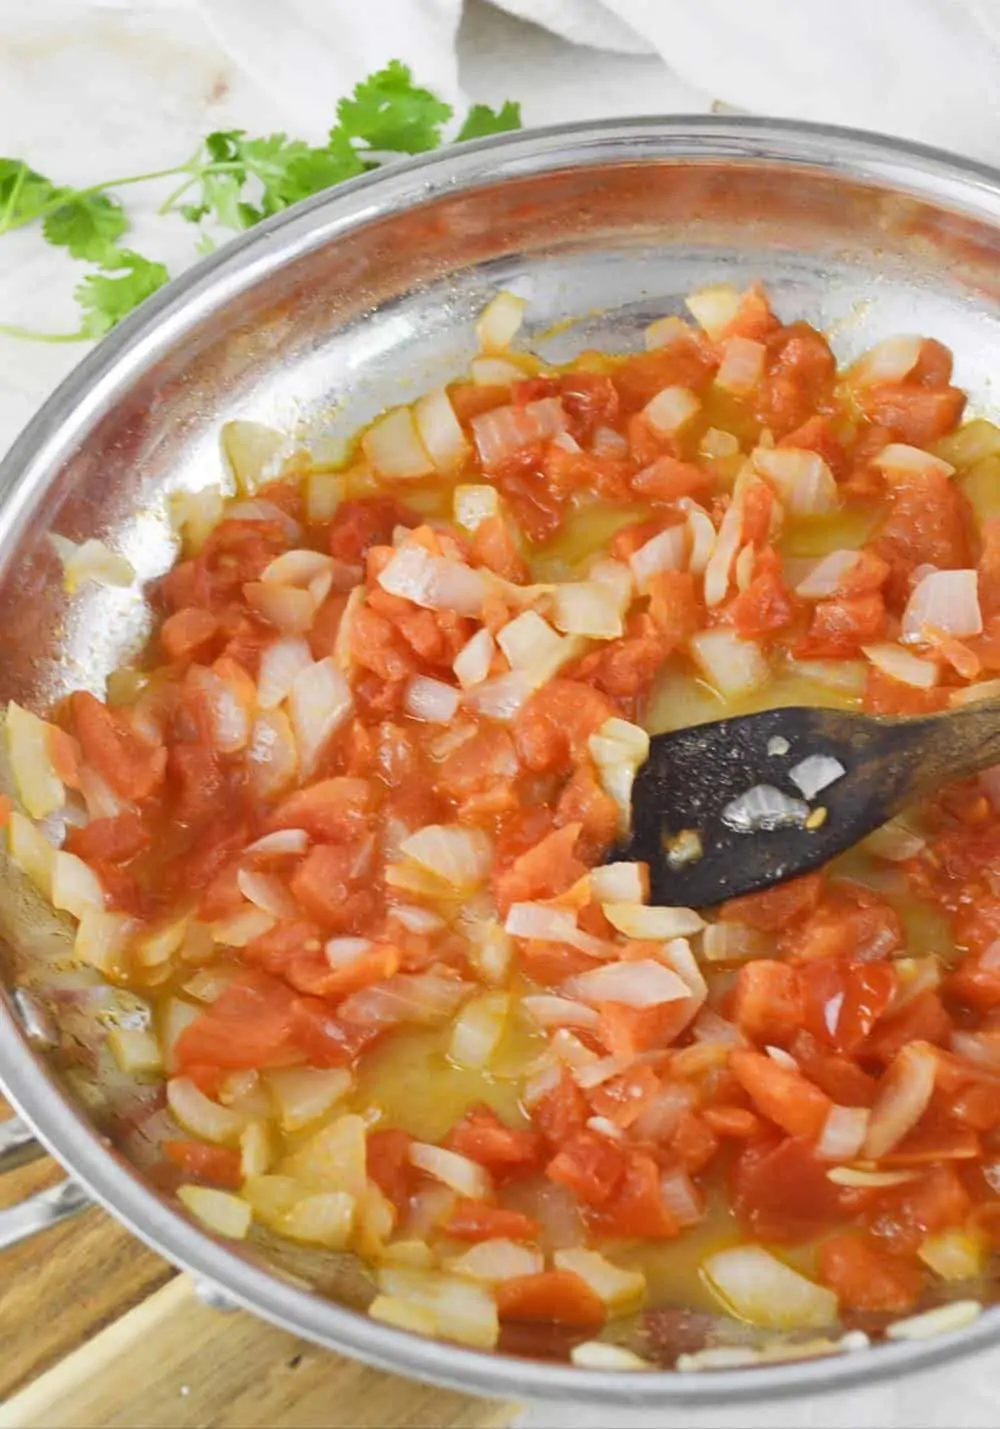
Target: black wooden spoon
702, 802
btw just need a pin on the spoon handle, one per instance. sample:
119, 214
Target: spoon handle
953, 745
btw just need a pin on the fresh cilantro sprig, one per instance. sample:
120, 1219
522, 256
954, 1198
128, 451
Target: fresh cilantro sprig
232, 181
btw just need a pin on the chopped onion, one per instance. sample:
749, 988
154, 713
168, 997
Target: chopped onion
595, 1071
201, 1116
335, 1156
296, 568
472, 663
912, 460
548, 924
324, 493
665, 552
265, 891
947, 601
600, 1355
500, 322
642, 983
727, 543
460, 857
254, 453
859, 1178
91, 561
635, 920
620, 1290
434, 582
607, 442
39, 787
763, 807
319, 702
589, 608
475, 504
495, 1260
942, 1320
280, 663
816, 773
742, 365
972, 694
101, 939
901, 665
194, 515
714, 308
846, 676
264, 511
614, 574
717, 443
666, 331
506, 430
242, 927
495, 372
732, 666
888, 361
701, 535
551, 1011
894, 842
75, 885
734, 943
681, 1198
502, 697
466, 1177
479, 1029
227, 713
440, 431
285, 607
760, 1289
903, 1096
280, 843
452, 1307
325, 1219
272, 758
671, 409
953, 1254
826, 576
304, 1094
843, 1133
620, 883
394, 448
744, 567
529, 642
805, 483
222, 1213
431, 700
914, 976
135, 1050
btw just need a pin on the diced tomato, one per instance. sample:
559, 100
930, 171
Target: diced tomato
841, 626
694, 1142
766, 605
776, 908
584, 802
388, 1164
627, 1031
903, 1216
562, 1112
551, 730
667, 479
359, 525
863, 1276
551, 963
924, 1019
844, 999
332, 810
818, 434
975, 983
479, 1220
537, 509
330, 892
311, 973
248, 1026
132, 767
572, 471
841, 1078
886, 696
767, 1002
781, 1192
781, 1094
197, 782
589, 400
545, 870
117, 839
688, 362
215, 1164
494, 547
851, 921
322, 1039
927, 524
624, 1098
637, 1207
560, 1297
505, 1150
799, 378
913, 415
188, 634
673, 608
734, 1122
590, 1166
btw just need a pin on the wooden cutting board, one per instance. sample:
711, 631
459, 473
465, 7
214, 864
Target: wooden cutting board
97, 1331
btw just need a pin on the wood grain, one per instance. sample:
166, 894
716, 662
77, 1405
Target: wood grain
97, 1332
173, 1363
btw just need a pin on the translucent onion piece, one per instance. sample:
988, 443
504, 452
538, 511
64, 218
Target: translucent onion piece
264, 511
548, 924
201, 1116
681, 1197
466, 1177
102, 938
222, 1213
805, 483
701, 536
460, 857
265, 891
947, 601
91, 561
319, 702
620, 883
472, 663
529, 642
241, 927
440, 431
734, 943
280, 843
500, 322
475, 504
551, 1011
495, 1260
666, 331
272, 758
394, 448
732, 666
637, 921
954, 1254
764, 807
714, 308
75, 886
642, 983
888, 361
453, 1307
495, 372
665, 552
431, 700
901, 458
816, 773
899, 664
324, 492
296, 568
620, 1290
254, 453
903, 1096
942, 1320
304, 1094
335, 1156
826, 576
843, 1133
39, 787
280, 662
742, 365
434, 582
135, 1050
502, 697
760, 1289
671, 409
600, 1355
325, 1219
479, 1029
589, 608
284, 607
423, 998
507, 430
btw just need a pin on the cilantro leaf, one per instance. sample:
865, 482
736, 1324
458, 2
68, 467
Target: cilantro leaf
388, 111
481, 120
22, 191
106, 300
88, 227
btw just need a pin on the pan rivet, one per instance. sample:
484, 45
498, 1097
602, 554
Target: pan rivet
213, 1297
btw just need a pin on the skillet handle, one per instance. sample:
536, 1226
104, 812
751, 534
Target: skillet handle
47, 1208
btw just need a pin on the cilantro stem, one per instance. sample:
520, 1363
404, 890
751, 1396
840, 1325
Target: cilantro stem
71, 195
30, 334
12, 197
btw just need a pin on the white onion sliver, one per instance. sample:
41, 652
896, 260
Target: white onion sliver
589, 608
902, 458
342, 952
529, 641
733, 666
440, 430
671, 409
434, 582
280, 663
763, 807
506, 430
742, 365
903, 1096
643, 983
947, 601
816, 773
282, 841
888, 361
319, 702
900, 664
459, 856
825, 577
804, 481
472, 663
472, 505
502, 697
551, 1011
431, 700
635, 920
714, 308
665, 552
843, 1133
500, 322
265, 891
466, 1177
394, 448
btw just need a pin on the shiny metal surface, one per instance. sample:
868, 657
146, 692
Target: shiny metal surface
38, 1213
18, 1145
314, 322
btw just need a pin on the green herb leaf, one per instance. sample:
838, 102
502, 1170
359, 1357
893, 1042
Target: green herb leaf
88, 227
106, 300
22, 191
388, 111
481, 120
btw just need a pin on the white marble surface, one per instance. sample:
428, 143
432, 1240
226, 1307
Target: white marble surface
89, 90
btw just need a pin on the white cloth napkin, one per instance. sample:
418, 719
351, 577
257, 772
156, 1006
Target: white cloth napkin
922, 69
